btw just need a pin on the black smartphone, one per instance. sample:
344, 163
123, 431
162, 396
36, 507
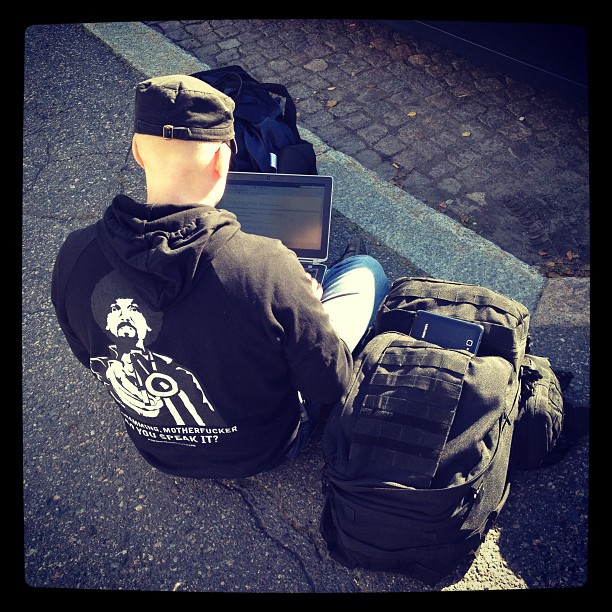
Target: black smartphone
447, 332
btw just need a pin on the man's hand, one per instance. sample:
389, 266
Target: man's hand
315, 285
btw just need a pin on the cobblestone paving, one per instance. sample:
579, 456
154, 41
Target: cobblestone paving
501, 157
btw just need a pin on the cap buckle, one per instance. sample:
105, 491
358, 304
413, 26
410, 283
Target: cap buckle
168, 132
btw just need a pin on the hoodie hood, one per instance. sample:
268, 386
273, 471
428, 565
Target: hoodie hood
162, 248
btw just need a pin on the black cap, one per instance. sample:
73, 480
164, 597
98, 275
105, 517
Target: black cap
183, 107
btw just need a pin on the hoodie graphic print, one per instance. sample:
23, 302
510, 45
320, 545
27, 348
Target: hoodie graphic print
161, 400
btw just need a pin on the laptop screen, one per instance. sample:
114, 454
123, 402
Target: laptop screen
296, 209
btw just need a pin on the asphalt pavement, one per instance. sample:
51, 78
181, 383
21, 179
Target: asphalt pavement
96, 517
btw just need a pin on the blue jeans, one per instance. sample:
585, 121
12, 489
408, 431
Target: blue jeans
352, 292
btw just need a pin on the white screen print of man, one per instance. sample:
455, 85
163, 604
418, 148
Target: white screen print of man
140, 379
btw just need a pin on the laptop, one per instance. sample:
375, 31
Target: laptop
294, 208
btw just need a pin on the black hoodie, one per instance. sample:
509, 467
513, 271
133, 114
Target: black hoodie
203, 335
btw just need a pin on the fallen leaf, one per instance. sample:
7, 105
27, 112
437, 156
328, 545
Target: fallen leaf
371, 85
442, 205
331, 103
542, 253
466, 134
570, 255
395, 165
331, 88
412, 114
550, 264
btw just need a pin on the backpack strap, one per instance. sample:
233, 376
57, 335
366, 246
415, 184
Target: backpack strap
289, 112
228, 80
408, 411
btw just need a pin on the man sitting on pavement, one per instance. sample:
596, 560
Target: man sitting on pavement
219, 349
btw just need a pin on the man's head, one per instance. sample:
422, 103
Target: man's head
181, 127
185, 108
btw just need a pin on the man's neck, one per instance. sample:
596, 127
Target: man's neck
177, 195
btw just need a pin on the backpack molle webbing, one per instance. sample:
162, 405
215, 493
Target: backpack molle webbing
505, 321
407, 412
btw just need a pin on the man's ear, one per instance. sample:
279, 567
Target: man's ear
222, 160
135, 152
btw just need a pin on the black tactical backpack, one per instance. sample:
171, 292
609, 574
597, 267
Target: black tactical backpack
265, 123
419, 452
